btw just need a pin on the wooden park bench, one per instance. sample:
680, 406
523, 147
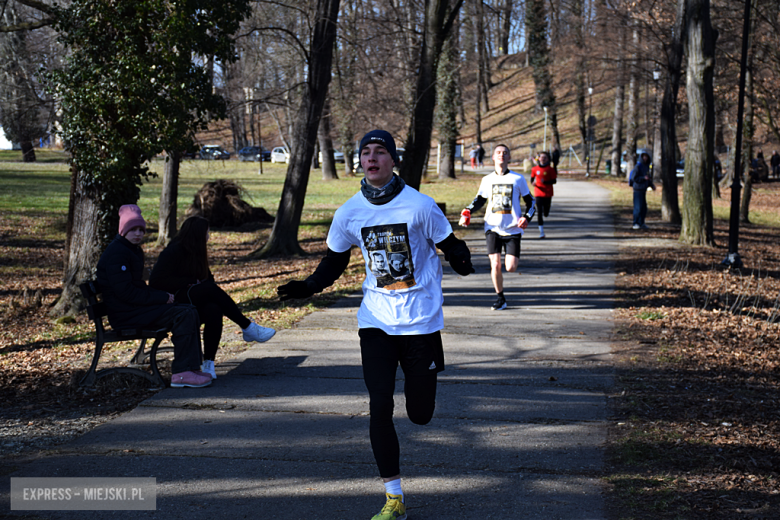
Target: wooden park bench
97, 313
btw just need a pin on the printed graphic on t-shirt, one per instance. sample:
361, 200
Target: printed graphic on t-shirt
389, 255
501, 199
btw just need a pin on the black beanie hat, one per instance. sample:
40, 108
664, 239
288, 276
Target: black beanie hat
379, 137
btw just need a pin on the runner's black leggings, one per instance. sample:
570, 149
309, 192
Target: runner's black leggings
379, 375
542, 208
212, 304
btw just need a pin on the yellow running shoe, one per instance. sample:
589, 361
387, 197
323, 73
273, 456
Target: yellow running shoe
394, 509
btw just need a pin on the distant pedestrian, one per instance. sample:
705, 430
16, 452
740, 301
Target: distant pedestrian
480, 156
504, 221
473, 157
400, 317
641, 179
775, 163
183, 270
762, 170
556, 156
543, 176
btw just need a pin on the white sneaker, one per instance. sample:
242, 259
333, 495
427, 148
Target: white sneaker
635, 226
208, 368
255, 332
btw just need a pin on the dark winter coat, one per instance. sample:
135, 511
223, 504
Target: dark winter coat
129, 301
170, 274
641, 178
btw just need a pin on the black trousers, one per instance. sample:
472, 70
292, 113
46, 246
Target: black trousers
212, 303
542, 208
185, 335
421, 358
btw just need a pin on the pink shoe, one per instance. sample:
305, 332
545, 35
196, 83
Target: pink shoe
190, 379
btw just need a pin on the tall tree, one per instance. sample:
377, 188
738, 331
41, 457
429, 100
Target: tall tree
580, 70
326, 145
447, 107
166, 217
632, 121
748, 132
440, 16
620, 94
25, 110
699, 157
539, 52
670, 206
284, 235
129, 90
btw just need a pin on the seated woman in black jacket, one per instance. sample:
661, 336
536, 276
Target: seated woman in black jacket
183, 269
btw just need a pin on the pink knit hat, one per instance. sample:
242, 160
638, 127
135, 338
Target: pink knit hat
130, 217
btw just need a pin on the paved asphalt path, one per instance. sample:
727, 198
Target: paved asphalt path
519, 428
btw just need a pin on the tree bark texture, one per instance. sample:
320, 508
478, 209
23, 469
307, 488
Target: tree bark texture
169, 199
82, 246
748, 131
580, 87
284, 234
620, 95
697, 225
670, 205
632, 121
439, 19
326, 146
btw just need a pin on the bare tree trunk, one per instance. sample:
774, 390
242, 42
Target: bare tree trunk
748, 131
632, 123
447, 107
483, 59
28, 151
697, 228
169, 199
284, 235
82, 246
617, 121
506, 26
670, 206
580, 88
326, 146
439, 19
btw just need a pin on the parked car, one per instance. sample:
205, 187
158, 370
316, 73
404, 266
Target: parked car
337, 156
356, 158
213, 152
639, 152
681, 169
253, 153
280, 155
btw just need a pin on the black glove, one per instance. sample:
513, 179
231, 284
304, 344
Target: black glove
295, 290
459, 258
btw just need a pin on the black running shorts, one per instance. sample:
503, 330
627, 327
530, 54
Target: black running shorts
497, 243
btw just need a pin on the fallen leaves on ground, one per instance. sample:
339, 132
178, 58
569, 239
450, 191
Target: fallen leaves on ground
697, 400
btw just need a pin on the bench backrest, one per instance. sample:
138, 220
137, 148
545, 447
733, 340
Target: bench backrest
96, 310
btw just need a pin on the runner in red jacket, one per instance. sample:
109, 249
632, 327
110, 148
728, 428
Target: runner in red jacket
543, 177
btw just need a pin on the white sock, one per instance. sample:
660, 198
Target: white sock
394, 488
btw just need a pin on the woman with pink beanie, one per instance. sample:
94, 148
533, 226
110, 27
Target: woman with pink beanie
131, 303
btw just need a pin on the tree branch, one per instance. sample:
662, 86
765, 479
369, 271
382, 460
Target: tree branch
27, 26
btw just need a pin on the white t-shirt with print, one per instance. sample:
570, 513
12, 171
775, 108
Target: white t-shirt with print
503, 194
402, 290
